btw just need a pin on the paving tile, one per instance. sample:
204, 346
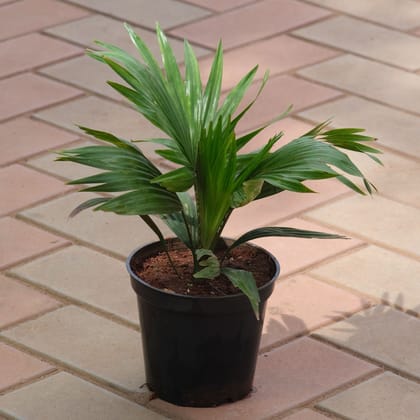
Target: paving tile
86, 342
290, 53
97, 112
315, 368
295, 254
145, 13
269, 211
18, 301
292, 309
86, 276
369, 79
33, 50
85, 31
266, 18
103, 115
384, 397
20, 187
28, 241
397, 179
392, 278
16, 144
366, 39
68, 170
220, 5
381, 333
279, 93
26, 16
66, 395
400, 14
27, 92
395, 129
397, 225
306, 414
17, 367
106, 230
85, 73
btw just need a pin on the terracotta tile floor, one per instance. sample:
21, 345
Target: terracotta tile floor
323, 348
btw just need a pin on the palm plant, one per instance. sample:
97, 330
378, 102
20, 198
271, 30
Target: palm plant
212, 177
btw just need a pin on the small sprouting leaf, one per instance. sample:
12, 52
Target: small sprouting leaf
177, 180
244, 281
209, 261
249, 190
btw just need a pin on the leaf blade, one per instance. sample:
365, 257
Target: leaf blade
245, 282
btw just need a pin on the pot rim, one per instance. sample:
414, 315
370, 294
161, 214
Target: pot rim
200, 298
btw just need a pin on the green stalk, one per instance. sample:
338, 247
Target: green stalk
196, 267
149, 221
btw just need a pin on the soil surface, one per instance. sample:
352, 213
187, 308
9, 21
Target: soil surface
158, 271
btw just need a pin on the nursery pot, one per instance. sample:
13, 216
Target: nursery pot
198, 351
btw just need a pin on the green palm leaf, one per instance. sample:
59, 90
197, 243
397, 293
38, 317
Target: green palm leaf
245, 282
283, 232
127, 170
201, 141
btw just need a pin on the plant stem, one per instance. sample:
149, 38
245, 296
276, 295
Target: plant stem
165, 247
196, 267
222, 225
150, 222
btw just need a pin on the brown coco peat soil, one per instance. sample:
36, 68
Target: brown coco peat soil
158, 272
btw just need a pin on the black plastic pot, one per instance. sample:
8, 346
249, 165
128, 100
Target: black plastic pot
198, 351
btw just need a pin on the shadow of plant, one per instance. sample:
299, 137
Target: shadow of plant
300, 305
382, 334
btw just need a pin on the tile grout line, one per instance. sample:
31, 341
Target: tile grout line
374, 299
382, 365
216, 12
30, 381
362, 18
254, 41
41, 108
39, 202
36, 69
365, 238
355, 53
386, 148
39, 30
312, 403
348, 92
68, 301
61, 366
308, 332
94, 11
34, 256
72, 239
25, 160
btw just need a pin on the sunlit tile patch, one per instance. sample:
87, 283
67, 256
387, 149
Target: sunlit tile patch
65, 393
384, 396
86, 342
383, 334
370, 79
